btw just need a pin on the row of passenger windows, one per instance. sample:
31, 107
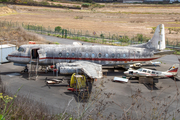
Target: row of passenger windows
148, 71
92, 55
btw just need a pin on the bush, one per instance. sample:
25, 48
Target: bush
86, 5
102, 36
44, 3
58, 29
141, 38
124, 39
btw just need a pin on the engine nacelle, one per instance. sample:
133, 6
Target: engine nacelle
70, 70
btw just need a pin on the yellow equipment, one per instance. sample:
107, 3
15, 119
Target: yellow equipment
78, 81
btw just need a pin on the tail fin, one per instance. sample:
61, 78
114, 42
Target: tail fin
173, 69
158, 40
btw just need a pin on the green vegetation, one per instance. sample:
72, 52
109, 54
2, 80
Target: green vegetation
141, 38
58, 29
86, 5
153, 30
173, 30
43, 3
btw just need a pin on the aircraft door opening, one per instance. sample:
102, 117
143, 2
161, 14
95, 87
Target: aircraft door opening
34, 54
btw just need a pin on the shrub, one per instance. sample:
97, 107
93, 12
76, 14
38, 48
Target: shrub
124, 39
58, 29
141, 38
102, 36
86, 5
44, 3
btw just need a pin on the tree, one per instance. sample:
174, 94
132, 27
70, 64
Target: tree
58, 29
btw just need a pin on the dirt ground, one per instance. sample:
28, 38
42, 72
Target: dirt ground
119, 19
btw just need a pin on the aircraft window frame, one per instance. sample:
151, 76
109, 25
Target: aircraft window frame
145, 71
80, 54
99, 55
113, 55
93, 55
118, 55
73, 54
20, 49
87, 55
60, 54
106, 55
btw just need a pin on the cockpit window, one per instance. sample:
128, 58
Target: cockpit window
140, 69
20, 49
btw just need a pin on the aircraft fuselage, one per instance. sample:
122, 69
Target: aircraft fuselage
104, 55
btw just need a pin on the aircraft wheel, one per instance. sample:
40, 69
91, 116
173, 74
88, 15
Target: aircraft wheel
26, 70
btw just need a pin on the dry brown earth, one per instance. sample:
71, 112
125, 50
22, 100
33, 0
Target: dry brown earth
119, 19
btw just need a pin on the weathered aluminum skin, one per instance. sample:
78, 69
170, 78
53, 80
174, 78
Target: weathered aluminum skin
93, 70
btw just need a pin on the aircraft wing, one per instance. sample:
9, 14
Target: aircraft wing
147, 75
93, 70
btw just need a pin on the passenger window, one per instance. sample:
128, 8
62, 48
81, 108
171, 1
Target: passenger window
73, 54
60, 54
93, 55
144, 70
113, 55
87, 55
157, 73
124, 55
67, 54
99, 55
80, 54
118, 55
149, 71
106, 55
153, 72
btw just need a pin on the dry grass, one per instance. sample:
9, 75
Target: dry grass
127, 20
18, 36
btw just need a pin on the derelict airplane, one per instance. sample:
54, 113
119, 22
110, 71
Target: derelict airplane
143, 72
90, 59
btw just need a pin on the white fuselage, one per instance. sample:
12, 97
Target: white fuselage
104, 55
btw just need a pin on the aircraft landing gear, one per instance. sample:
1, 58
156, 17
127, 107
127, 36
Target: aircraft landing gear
26, 69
